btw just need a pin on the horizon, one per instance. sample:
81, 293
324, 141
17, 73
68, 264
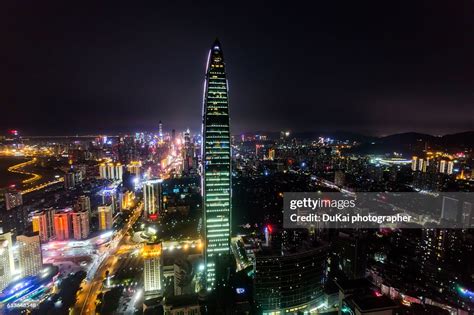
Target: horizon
251, 132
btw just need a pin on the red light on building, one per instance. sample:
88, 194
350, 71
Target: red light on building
153, 217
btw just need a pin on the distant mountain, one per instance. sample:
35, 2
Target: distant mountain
406, 143
462, 139
413, 143
337, 135
314, 135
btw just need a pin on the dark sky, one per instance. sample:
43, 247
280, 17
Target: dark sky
375, 67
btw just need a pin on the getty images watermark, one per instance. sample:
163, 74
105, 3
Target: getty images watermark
377, 210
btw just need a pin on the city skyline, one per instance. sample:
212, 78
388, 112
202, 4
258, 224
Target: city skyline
324, 164
303, 70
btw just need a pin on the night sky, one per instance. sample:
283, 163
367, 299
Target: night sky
376, 67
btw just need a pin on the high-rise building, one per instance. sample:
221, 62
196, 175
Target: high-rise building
7, 267
43, 223
80, 224
13, 199
152, 195
152, 270
105, 217
414, 162
216, 163
290, 282
127, 200
62, 226
450, 167
111, 171
160, 132
103, 170
69, 180
188, 152
134, 168
84, 204
442, 166
29, 254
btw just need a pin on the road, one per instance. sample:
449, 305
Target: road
85, 303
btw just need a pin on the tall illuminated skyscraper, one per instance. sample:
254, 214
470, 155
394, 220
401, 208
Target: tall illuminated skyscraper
152, 195
216, 160
152, 271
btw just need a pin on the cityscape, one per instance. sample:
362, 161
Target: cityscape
192, 220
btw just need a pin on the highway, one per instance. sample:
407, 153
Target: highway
86, 298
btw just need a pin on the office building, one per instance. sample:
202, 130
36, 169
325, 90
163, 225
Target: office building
216, 159
290, 282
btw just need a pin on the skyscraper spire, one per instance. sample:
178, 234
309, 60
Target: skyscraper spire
216, 160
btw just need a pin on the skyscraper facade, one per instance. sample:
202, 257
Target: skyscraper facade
43, 222
62, 226
106, 220
7, 266
29, 250
216, 160
80, 224
151, 254
84, 204
152, 195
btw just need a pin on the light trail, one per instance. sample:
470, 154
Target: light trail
18, 169
44, 185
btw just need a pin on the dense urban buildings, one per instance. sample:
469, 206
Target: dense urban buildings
216, 159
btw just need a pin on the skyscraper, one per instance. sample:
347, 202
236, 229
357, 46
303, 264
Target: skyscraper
216, 160
80, 224
62, 226
30, 259
7, 267
43, 222
152, 195
84, 204
160, 132
151, 254
105, 217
